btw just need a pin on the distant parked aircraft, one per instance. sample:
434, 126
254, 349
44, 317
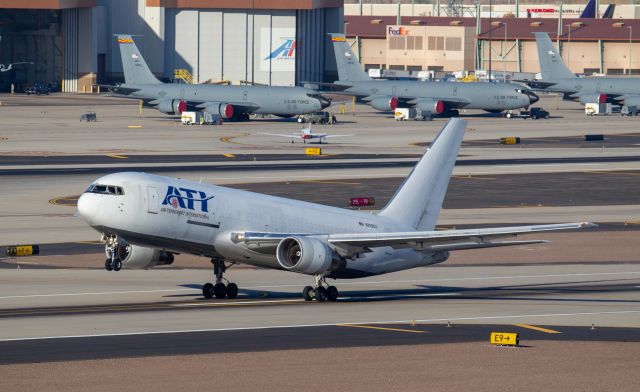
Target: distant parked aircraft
236, 102
430, 98
556, 77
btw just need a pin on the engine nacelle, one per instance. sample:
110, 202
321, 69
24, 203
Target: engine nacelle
592, 98
306, 255
140, 257
430, 105
172, 106
384, 104
225, 110
632, 101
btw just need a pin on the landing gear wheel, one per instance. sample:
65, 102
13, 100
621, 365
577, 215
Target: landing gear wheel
117, 265
220, 290
332, 293
107, 265
321, 294
232, 290
207, 290
307, 293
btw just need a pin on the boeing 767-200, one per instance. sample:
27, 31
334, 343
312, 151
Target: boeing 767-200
145, 219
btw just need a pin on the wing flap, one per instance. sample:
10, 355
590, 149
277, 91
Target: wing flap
444, 240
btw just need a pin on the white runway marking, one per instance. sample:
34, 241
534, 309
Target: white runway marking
343, 283
435, 320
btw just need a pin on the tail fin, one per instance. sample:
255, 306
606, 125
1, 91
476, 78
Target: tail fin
349, 68
135, 68
419, 199
551, 65
589, 10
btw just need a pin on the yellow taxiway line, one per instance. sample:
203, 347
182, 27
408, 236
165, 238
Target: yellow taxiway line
545, 330
229, 155
380, 328
117, 156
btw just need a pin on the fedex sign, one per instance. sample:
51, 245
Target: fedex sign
397, 31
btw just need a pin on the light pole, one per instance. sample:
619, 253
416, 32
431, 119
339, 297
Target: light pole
630, 35
569, 47
504, 54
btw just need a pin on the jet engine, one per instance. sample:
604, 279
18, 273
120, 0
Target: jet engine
225, 110
592, 98
430, 105
172, 106
384, 104
632, 101
140, 257
306, 255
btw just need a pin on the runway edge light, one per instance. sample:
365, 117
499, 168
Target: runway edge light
504, 339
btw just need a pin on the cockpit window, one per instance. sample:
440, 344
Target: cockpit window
105, 189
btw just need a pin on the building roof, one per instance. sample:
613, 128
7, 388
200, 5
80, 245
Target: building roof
517, 28
47, 4
248, 4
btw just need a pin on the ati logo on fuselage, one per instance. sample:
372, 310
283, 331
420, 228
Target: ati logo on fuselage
186, 198
285, 51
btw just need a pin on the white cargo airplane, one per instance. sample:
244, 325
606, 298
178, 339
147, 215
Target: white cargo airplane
306, 134
145, 219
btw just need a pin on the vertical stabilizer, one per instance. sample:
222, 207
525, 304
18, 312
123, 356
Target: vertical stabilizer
418, 201
349, 68
135, 68
551, 64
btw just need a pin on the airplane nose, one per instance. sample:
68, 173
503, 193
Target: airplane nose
533, 97
87, 207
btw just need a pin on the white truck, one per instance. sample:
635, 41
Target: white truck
201, 118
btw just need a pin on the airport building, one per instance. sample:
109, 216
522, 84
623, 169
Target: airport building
503, 44
71, 43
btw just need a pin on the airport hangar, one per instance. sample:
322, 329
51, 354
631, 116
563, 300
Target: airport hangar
71, 43
456, 43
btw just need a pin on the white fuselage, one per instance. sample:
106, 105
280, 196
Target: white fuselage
187, 217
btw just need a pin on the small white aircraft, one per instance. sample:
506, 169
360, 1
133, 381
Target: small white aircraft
306, 134
145, 219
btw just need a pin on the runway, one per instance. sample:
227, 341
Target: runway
90, 304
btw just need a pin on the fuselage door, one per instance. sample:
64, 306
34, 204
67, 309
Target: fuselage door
152, 194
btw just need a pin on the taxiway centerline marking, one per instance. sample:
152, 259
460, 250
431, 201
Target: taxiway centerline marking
380, 328
229, 155
435, 320
545, 330
117, 156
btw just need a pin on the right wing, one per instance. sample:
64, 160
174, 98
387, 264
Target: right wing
350, 244
443, 240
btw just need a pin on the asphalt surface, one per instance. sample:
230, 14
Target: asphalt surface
610, 141
589, 188
330, 336
299, 165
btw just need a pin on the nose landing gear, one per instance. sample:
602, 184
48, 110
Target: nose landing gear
220, 290
320, 293
115, 253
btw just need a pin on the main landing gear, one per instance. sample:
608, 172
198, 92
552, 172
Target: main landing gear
320, 293
220, 290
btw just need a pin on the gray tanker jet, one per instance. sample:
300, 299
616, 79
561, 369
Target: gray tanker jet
430, 98
145, 219
556, 77
236, 102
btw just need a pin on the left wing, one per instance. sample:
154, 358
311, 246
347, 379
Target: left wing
327, 136
293, 135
